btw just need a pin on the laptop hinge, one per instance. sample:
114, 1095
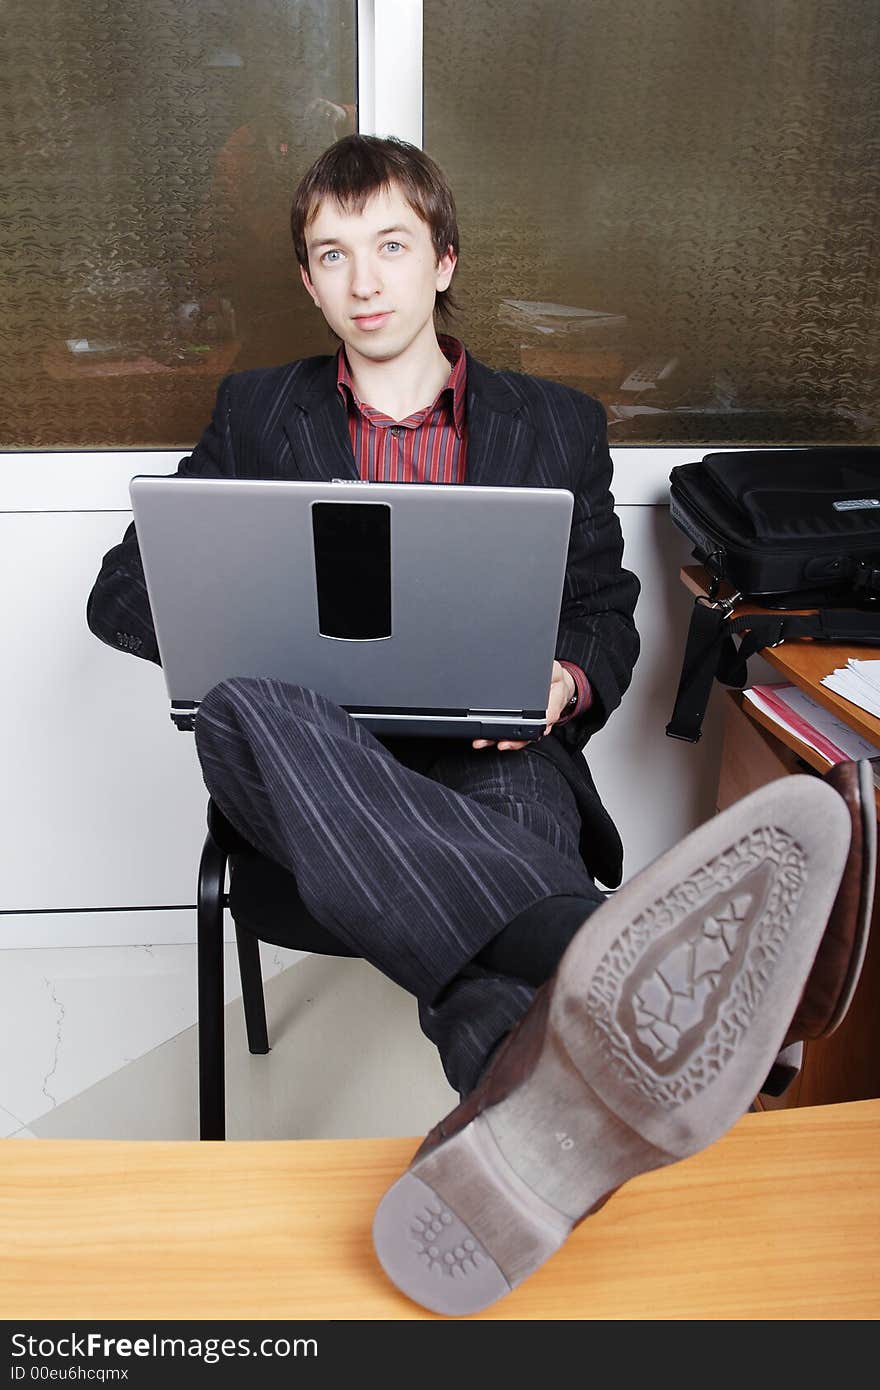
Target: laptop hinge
183, 714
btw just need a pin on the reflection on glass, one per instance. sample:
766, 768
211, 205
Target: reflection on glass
148, 155
671, 206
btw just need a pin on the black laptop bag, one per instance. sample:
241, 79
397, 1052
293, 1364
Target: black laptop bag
787, 529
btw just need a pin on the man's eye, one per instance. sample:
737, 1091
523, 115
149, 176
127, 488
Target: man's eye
393, 246
331, 257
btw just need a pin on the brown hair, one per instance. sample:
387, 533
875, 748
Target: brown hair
359, 166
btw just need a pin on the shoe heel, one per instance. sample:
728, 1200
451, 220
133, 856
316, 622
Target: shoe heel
460, 1261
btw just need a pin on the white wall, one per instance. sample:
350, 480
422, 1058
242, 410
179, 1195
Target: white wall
102, 812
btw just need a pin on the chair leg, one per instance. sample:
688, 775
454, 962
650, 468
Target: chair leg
212, 1061
252, 990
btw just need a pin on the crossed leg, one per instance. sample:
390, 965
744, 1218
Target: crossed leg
418, 874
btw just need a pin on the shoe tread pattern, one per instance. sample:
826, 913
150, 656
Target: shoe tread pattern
677, 991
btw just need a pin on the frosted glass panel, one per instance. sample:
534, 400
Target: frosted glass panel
148, 154
672, 205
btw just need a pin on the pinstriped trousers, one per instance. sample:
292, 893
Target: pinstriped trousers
415, 871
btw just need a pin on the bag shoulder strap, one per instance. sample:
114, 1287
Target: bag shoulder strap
712, 654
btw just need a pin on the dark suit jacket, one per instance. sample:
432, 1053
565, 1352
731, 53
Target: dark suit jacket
290, 422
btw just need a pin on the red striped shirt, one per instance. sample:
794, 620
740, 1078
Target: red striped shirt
429, 446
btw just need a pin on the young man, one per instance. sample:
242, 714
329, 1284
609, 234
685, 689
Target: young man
588, 1040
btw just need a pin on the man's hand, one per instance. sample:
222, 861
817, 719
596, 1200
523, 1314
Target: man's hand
562, 688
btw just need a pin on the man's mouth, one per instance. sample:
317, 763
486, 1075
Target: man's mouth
372, 321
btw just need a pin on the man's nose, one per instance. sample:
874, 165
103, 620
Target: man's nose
366, 280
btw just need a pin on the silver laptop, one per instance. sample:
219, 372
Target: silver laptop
420, 608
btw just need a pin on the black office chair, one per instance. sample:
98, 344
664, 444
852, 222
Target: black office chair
265, 906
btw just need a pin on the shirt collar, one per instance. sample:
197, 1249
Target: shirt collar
454, 392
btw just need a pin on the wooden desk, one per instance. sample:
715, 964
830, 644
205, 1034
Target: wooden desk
805, 663
845, 1066
779, 1219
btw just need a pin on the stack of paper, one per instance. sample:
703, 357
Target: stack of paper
858, 681
814, 725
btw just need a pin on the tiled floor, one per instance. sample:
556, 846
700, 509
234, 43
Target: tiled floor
100, 1042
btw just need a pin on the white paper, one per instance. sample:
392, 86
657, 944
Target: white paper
866, 670
858, 682
850, 743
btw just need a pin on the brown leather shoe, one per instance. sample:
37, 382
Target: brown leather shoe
652, 1038
832, 981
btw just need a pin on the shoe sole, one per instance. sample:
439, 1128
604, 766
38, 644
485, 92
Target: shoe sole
668, 1009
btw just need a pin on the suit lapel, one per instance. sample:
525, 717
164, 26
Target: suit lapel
316, 426
500, 438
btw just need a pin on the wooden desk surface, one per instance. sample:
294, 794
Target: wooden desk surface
779, 1219
805, 663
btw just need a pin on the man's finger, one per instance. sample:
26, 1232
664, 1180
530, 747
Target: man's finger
503, 747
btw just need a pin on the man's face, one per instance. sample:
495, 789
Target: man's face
374, 274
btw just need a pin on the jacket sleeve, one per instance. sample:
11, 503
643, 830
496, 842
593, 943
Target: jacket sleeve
596, 627
118, 609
